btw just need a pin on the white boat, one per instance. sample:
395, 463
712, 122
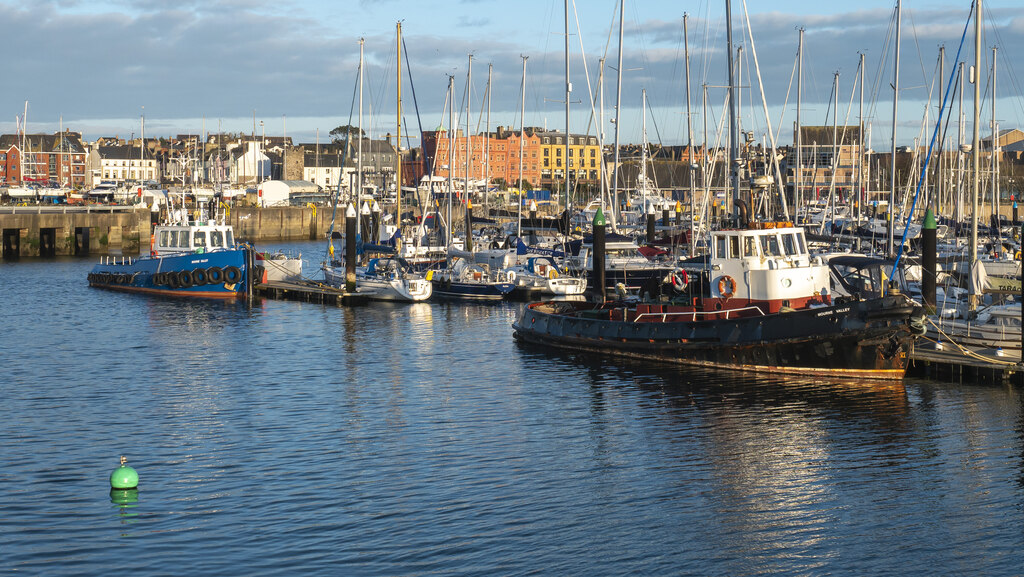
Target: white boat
280, 266
385, 279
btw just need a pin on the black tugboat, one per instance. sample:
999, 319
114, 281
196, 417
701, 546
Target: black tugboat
761, 302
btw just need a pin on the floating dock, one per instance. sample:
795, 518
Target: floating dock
961, 365
309, 292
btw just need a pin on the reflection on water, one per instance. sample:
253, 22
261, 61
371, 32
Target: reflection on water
394, 439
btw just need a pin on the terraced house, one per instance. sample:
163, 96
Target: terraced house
42, 158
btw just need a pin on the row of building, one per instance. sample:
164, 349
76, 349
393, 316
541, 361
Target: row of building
541, 158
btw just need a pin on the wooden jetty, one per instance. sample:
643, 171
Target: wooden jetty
309, 292
962, 365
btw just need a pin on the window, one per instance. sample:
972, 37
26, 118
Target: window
163, 238
182, 239
229, 239
720, 246
558, 152
558, 163
770, 245
570, 153
547, 152
593, 152
734, 246
170, 240
789, 244
199, 239
749, 246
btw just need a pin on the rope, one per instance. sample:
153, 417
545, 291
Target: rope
964, 350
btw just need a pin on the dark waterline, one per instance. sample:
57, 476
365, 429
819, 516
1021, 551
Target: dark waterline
409, 440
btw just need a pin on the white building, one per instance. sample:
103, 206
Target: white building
119, 164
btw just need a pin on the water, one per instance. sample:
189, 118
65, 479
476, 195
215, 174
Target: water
413, 440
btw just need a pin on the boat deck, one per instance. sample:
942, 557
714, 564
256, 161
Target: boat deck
309, 292
953, 364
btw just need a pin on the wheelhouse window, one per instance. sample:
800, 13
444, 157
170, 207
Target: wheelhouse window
749, 246
216, 239
163, 238
770, 245
199, 239
789, 244
183, 239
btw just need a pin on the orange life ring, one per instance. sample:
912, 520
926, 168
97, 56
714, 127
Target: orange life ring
726, 281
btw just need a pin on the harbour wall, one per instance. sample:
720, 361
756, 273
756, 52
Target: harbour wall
50, 231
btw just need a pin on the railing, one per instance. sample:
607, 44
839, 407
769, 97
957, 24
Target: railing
694, 314
65, 209
113, 260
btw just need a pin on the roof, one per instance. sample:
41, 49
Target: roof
822, 135
123, 152
59, 142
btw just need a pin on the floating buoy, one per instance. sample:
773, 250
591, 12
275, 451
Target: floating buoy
124, 477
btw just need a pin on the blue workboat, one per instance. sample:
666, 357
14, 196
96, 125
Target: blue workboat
189, 259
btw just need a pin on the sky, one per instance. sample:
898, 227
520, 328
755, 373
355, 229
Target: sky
290, 66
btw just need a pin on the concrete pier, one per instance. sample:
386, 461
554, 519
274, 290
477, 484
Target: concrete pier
47, 231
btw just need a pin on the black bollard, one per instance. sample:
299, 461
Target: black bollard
650, 225
598, 255
533, 212
664, 215
469, 225
350, 249
375, 223
928, 252
679, 213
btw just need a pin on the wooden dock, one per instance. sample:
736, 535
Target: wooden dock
953, 364
309, 292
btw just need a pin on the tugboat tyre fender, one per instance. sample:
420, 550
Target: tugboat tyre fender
185, 279
726, 286
214, 275
232, 275
199, 277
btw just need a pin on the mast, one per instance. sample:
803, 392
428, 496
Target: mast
568, 92
994, 163
359, 147
469, 138
451, 159
398, 140
860, 136
799, 137
972, 246
892, 160
614, 212
522, 138
689, 127
487, 140
734, 126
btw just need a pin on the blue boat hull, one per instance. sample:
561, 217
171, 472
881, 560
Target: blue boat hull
215, 274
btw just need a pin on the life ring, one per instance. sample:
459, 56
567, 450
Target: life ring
680, 279
199, 277
1016, 256
511, 275
726, 286
232, 275
552, 273
185, 279
214, 275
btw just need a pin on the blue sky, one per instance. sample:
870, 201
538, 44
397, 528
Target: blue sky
292, 64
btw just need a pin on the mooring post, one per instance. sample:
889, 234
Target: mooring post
350, 249
598, 255
469, 225
928, 250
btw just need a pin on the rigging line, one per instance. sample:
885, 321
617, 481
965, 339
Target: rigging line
945, 100
917, 43
344, 158
882, 68
1007, 66
415, 103
785, 104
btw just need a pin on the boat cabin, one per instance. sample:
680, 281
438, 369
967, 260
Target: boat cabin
180, 238
766, 262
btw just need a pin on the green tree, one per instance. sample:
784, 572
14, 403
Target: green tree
341, 134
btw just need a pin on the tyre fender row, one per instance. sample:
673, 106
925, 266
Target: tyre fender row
108, 278
200, 277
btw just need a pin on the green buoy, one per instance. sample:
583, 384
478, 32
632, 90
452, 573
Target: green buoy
124, 477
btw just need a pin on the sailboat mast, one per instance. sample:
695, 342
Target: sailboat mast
860, 136
892, 160
972, 246
994, 163
451, 159
568, 92
469, 137
689, 127
487, 140
799, 137
359, 147
619, 109
398, 138
734, 137
522, 139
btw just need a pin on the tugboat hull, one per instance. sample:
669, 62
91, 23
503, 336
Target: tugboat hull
866, 339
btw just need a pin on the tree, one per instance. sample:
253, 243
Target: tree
341, 134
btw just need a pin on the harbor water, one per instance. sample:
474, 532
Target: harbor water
289, 437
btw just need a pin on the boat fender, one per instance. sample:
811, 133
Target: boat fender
199, 277
552, 273
232, 275
171, 279
214, 275
258, 273
430, 275
726, 286
680, 278
185, 279
1016, 256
